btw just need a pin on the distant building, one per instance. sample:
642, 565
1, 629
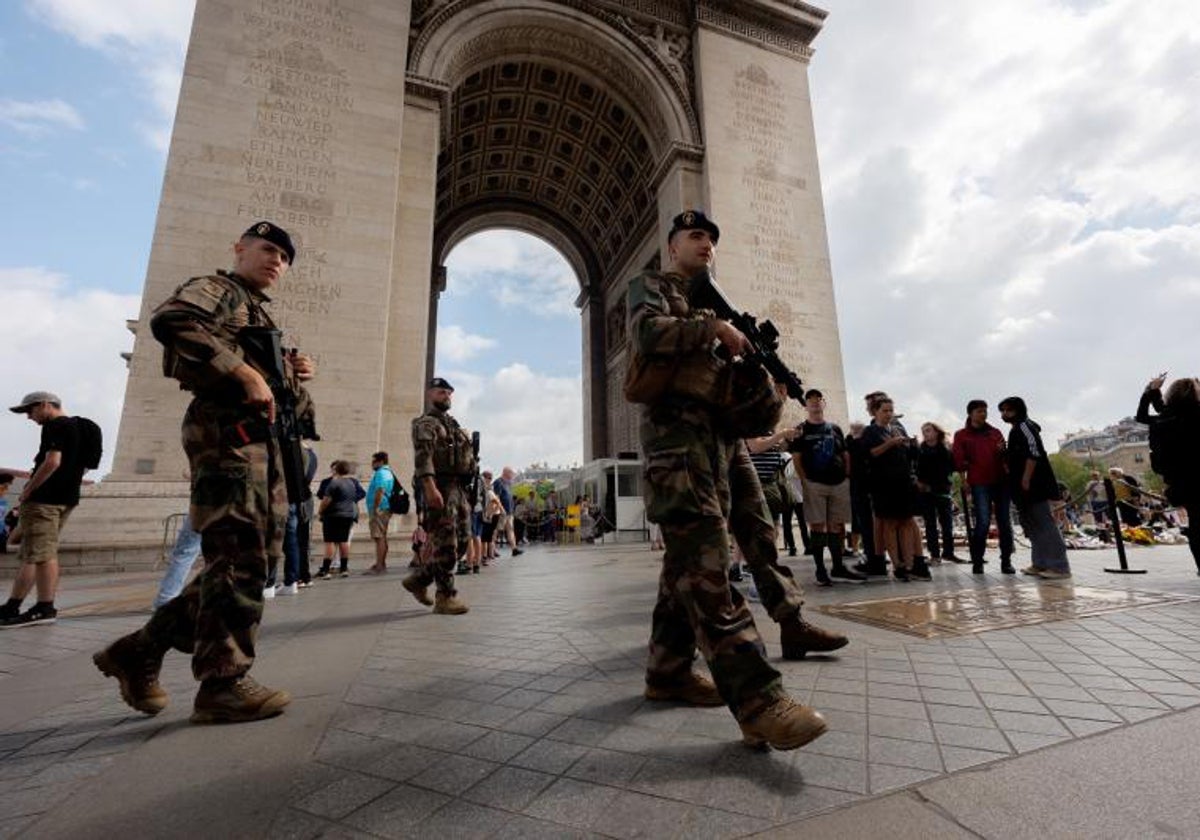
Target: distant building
1124, 444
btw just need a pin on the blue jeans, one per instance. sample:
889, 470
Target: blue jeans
291, 548
982, 500
183, 557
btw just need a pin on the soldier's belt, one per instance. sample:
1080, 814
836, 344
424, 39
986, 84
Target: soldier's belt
245, 432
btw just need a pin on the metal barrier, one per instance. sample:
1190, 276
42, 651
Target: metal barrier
170, 531
1114, 516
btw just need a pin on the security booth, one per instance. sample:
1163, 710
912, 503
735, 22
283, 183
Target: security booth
613, 489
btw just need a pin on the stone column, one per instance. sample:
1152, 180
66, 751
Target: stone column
412, 324
763, 182
289, 111
596, 443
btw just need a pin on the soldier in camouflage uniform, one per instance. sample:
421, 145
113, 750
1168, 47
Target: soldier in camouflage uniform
698, 477
238, 500
444, 471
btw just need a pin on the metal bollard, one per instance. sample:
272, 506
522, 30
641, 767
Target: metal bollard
1110, 495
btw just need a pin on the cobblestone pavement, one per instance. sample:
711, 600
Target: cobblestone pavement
524, 718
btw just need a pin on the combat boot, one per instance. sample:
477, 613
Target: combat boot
694, 690
237, 700
136, 667
412, 583
449, 605
799, 638
784, 725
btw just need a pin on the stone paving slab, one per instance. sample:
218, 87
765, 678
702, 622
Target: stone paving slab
525, 717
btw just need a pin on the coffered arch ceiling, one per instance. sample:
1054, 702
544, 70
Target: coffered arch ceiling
526, 136
557, 112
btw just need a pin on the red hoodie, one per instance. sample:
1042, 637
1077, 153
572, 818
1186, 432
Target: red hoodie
981, 453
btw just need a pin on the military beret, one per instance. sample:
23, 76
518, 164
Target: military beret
694, 220
438, 382
275, 235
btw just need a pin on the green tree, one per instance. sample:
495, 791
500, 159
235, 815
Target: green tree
1073, 472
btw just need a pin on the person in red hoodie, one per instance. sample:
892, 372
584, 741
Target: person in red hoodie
979, 454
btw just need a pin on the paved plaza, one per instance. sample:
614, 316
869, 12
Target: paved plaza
524, 718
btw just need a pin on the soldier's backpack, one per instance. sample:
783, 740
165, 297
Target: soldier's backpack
398, 500
91, 443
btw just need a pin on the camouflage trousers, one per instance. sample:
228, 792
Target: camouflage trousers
449, 530
239, 506
695, 482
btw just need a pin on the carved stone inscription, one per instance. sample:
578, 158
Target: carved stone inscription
761, 126
290, 164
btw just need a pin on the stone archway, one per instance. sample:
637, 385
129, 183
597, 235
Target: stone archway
381, 132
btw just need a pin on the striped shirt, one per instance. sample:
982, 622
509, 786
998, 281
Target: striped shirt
767, 464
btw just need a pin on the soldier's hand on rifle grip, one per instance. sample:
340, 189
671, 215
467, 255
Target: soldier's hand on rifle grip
732, 338
258, 393
303, 365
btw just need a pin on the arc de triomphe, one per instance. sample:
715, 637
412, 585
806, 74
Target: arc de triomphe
383, 132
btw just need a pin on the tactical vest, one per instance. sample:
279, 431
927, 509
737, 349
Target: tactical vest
198, 378
452, 452
700, 375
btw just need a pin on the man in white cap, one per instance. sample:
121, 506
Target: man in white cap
48, 498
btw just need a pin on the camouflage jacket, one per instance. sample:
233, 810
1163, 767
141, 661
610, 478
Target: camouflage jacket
198, 327
662, 323
442, 448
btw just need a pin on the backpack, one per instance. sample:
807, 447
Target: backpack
398, 500
91, 443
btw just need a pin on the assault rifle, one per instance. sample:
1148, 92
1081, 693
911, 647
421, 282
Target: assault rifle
763, 336
264, 348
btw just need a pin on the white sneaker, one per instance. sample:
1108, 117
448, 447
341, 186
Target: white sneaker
287, 589
268, 592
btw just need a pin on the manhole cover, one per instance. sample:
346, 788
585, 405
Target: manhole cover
999, 608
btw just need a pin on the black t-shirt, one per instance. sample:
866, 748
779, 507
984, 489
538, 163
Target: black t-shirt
822, 448
1024, 444
893, 493
935, 465
62, 487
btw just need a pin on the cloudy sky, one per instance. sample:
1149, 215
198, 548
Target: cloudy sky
1013, 198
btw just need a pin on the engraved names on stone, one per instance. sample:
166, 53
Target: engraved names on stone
761, 126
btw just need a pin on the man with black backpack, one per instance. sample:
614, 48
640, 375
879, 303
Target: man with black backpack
385, 496
70, 446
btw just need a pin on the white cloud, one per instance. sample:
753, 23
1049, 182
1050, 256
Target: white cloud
516, 270
39, 117
149, 35
1024, 197
522, 416
65, 340
457, 345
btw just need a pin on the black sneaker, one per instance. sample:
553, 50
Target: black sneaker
9, 611
842, 573
36, 614
791, 552
871, 569
920, 571
823, 580
954, 558
517, 552
901, 575
976, 568
462, 569
474, 570
1006, 568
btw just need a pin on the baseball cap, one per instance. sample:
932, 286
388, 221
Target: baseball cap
275, 235
33, 398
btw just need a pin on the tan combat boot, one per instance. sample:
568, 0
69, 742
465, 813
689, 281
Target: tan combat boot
237, 700
449, 605
800, 638
413, 584
136, 668
784, 725
694, 690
